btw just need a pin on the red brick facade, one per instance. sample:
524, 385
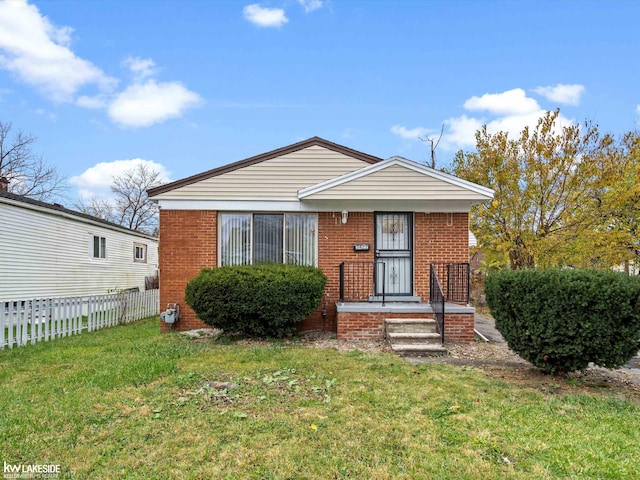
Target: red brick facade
458, 327
367, 325
438, 237
188, 244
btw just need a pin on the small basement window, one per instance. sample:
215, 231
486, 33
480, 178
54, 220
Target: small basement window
99, 247
139, 253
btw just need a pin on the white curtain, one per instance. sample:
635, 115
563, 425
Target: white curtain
243, 241
267, 238
300, 239
235, 239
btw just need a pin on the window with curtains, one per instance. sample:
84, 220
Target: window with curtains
256, 238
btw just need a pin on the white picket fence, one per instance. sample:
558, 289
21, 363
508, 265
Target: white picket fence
35, 320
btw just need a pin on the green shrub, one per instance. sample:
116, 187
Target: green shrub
256, 300
560, 320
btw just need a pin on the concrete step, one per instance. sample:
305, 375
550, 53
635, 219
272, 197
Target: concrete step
413, 338
410, 325
418, 349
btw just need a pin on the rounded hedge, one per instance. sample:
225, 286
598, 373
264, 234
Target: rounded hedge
256, 300
560, 320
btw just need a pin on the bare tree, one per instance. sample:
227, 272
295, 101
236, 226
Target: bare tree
131, 207
134, 208
98, 207
433, 145
28, 174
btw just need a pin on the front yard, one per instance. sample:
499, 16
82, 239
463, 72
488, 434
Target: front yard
128, 402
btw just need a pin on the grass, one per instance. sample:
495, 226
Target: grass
129, 402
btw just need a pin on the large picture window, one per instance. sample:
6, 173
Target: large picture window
258, 238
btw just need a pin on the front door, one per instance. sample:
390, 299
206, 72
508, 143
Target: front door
394, 255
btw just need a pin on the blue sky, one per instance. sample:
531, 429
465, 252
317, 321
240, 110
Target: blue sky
192, 85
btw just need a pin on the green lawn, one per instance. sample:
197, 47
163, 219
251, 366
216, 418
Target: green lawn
128, 402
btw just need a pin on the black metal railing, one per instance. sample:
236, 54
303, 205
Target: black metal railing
455, 280
437, 300
357, 281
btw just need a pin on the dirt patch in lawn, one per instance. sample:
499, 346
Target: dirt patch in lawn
496, 359
501, 363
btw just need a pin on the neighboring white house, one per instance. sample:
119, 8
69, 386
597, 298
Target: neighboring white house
48, 251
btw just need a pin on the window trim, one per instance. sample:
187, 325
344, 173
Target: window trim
251, 214
144, 249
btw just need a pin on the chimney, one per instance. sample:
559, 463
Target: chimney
4, 184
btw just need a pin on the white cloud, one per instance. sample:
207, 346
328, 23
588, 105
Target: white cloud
509, 111
50, 115
93, 102
264, 16
148, 103
560, 93
460, 132
511, 102
96, 181
140, 67
310, 5
638, 112
409, 134
38, 53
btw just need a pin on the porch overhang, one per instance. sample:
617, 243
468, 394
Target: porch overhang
398, 180
310, 205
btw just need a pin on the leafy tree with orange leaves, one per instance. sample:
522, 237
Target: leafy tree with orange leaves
546, 183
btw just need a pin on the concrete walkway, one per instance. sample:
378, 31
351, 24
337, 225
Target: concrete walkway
485, 326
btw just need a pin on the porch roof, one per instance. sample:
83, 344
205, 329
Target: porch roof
394, 179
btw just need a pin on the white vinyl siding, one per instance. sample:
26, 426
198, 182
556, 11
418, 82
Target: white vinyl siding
277, 178
46, 255
259, 238
396, 183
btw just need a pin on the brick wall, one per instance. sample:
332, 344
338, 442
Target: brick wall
438, 237
335, 245
370, 325
458, 327
187, 244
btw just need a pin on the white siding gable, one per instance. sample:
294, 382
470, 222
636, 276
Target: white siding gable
396, 179
278, 178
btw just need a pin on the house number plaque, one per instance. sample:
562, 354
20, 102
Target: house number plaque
360, 247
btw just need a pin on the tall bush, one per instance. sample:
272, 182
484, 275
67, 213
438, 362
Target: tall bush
256, 300
560, 320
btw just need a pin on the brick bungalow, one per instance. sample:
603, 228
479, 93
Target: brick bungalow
379, 229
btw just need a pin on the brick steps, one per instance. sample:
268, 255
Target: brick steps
413, 336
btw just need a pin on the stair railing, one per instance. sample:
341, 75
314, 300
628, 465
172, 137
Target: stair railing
437, 300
